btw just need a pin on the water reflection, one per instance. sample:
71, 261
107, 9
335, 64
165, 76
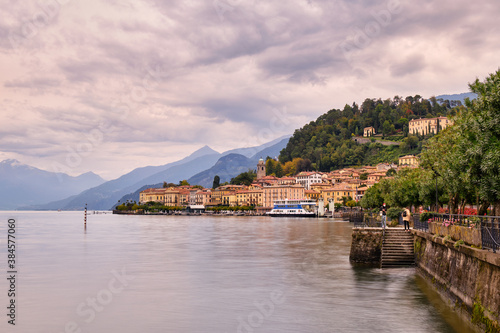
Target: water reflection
209, 274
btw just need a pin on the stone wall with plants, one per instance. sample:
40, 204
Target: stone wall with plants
470, 235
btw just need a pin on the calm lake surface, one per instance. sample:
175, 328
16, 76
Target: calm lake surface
205, 274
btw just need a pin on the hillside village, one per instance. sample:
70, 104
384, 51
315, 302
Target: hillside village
336, 187
343, 187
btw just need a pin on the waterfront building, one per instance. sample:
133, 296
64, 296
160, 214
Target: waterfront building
312, 195
249, 198
282, 192
152, 194
226, 194
340, 191
203, 197
171, 197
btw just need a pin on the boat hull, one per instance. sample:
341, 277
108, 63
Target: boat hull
291, 215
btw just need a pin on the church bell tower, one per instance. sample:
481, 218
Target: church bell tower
261, 169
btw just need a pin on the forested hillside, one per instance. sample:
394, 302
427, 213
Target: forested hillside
329, 141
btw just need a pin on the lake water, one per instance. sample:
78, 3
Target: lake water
205, 274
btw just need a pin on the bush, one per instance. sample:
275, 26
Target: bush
425, 216
393, 213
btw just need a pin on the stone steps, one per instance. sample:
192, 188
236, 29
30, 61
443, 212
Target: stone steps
397, 249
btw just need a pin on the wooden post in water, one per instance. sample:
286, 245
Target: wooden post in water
85, 217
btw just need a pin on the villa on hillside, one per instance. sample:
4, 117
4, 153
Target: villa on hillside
409, 160
368, 131
425, 126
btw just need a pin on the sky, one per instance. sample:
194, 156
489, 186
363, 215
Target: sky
108, 86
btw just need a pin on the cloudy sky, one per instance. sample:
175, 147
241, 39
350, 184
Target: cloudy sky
108, 86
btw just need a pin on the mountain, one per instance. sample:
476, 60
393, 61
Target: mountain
22, 184
249, 152
457, 97
231, 165
104, 196
227, 167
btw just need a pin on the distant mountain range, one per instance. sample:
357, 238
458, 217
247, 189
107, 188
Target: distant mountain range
200, 165
228, 166
458, 97
23, 185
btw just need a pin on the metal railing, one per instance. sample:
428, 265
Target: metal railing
420, 225
488, 225
365, 220
490, 234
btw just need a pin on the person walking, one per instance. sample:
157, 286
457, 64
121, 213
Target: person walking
384, 215
406, 219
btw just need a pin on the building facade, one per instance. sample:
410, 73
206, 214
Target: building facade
306, 179
426, 126
368, 131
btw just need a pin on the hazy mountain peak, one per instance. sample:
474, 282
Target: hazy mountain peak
205, 150
12, 162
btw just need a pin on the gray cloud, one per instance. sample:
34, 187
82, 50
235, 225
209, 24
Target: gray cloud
410, 65
152, 72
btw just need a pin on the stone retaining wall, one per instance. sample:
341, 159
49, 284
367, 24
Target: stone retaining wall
468, 277
366, 246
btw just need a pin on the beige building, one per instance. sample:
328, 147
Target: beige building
426, 126
249, 198
226, 195
281, 192
409, 160
171, 197
152, 194
368, 131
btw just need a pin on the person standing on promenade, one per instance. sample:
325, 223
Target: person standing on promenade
406, 218
384, 215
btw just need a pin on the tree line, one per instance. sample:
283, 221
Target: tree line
328, 142
459, 166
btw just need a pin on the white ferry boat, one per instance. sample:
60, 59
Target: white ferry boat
293, 208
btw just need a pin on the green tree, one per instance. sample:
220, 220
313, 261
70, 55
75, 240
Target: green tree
403, 190
372, 198
391, 172
183, 183
278, 171
351, 203
216, 182
270, 166
244, 178
480, 145
386, 128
